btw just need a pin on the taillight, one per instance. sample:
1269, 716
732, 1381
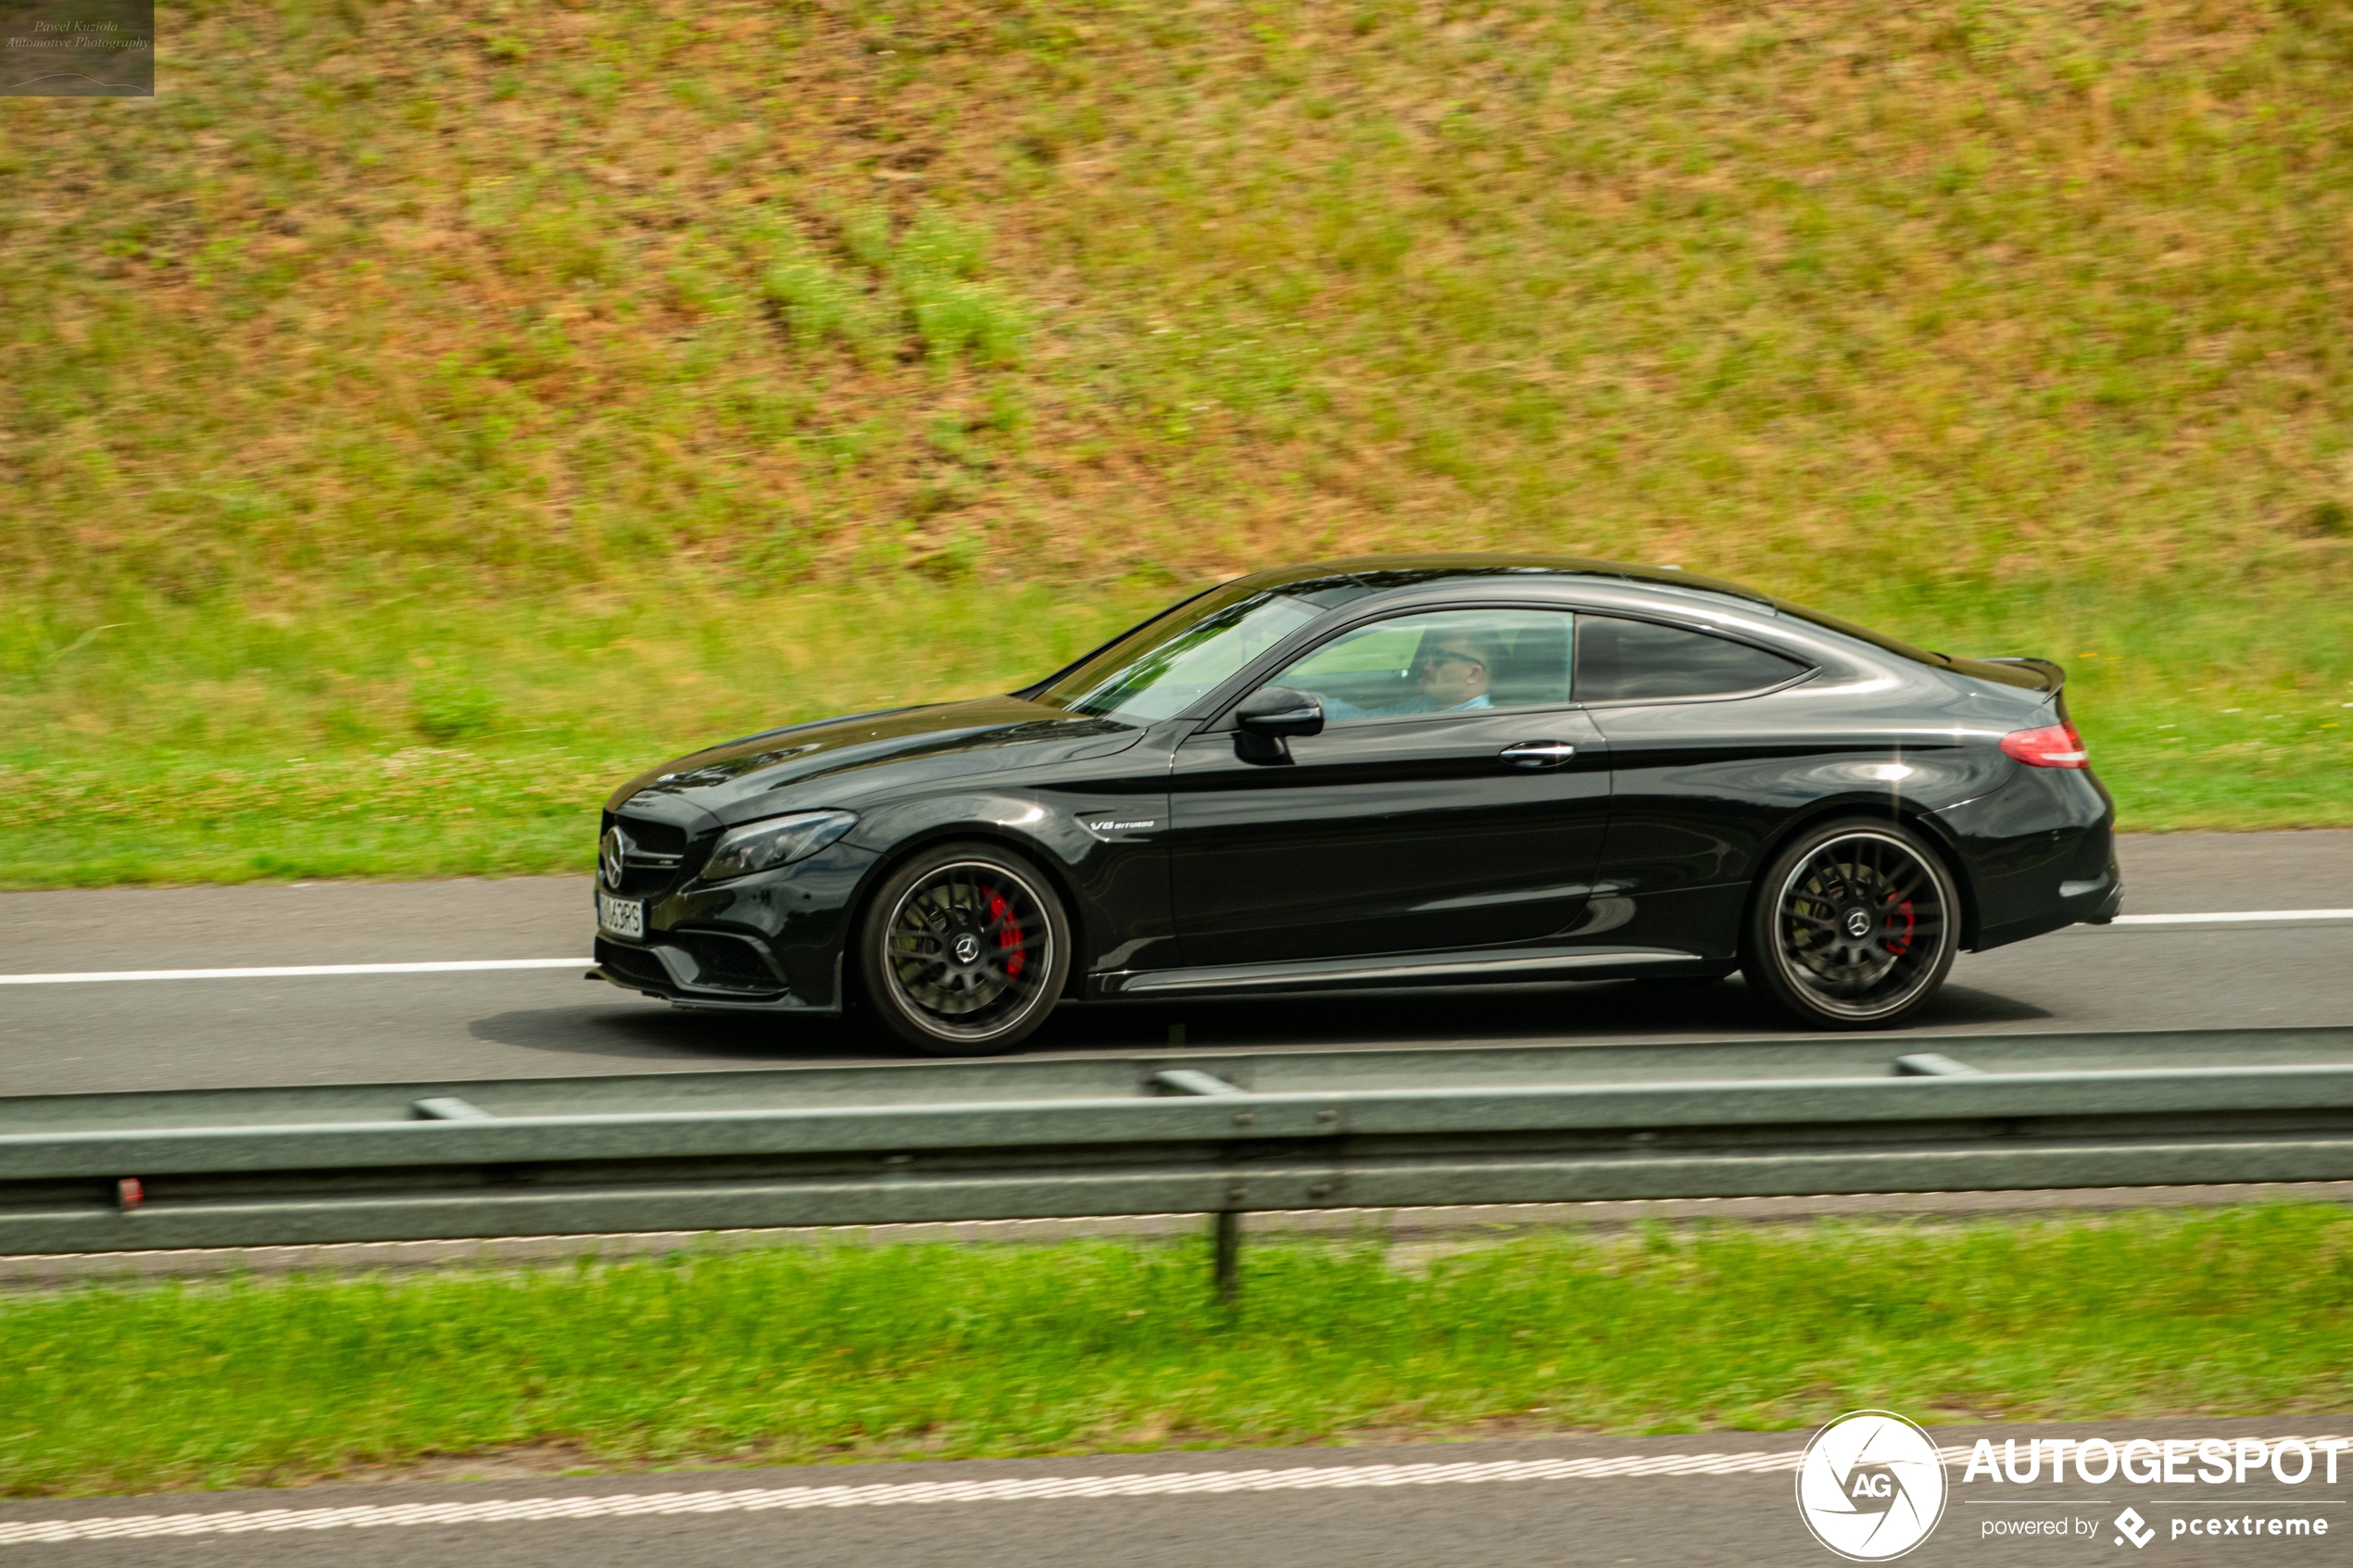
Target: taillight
2056, 747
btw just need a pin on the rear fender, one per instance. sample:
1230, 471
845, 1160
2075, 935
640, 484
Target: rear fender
1917, 815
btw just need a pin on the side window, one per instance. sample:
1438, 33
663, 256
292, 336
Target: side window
1447, 661
1636, 660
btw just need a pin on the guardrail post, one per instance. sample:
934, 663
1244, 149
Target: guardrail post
1225, 1257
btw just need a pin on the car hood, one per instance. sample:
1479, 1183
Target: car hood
865, 753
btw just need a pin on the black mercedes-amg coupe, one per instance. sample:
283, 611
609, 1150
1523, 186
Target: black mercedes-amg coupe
1394, 771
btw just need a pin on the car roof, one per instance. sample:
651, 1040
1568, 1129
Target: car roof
1384, 572
1335, 583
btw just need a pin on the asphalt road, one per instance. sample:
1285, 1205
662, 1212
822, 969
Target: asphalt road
193, 1032
517, 1024
1749, 1519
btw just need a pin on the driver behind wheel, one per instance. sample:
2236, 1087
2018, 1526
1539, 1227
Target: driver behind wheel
1451, 673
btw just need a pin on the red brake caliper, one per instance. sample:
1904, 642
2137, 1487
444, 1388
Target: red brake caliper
1899, 946
1009, 940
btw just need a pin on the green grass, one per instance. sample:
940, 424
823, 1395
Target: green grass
937, 1352
418, 739
658, 369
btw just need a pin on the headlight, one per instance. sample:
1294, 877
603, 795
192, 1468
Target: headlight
756, 846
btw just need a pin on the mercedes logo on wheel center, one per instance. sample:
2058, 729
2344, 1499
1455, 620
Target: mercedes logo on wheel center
1870, 1486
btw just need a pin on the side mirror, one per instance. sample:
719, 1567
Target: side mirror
1273, 712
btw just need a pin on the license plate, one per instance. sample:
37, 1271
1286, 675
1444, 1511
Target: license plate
622, 917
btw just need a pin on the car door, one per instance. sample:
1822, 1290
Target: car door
1421, 819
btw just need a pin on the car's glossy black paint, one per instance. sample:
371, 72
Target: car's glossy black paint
1388, 852
1392, 835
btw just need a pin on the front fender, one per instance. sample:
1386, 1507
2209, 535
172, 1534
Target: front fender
1017, 817
1103, 849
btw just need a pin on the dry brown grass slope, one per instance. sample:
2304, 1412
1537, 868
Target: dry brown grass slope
525, 295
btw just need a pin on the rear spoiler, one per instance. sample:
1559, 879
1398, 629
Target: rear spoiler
2034, 674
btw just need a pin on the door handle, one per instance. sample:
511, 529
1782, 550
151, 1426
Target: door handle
1539, 753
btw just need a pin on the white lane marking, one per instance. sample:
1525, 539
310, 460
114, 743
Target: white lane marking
285, 971
2235, 915
1183, 1482
1004, 1489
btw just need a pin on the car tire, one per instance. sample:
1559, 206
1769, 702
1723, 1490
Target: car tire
962, 951
1853, 925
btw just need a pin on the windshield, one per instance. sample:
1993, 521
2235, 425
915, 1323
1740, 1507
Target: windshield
1164, 666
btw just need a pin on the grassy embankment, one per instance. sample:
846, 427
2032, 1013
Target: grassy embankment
940, 1352
477, 395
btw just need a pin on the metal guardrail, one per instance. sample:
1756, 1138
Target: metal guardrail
1200, 1133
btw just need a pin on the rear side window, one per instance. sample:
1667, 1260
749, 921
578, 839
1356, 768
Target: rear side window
1640, 661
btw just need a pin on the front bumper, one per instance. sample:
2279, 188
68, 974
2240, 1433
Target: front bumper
701, 969
767, 943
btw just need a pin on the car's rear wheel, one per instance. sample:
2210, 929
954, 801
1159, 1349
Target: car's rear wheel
1853, 926
963, 949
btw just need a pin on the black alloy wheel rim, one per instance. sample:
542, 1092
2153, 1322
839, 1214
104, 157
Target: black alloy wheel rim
1861, 924
968, 951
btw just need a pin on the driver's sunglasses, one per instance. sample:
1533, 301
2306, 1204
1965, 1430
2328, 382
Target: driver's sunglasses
1442, 657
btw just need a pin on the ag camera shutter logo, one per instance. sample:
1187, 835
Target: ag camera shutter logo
1870, 1486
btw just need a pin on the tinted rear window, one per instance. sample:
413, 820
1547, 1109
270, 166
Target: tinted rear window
1640, 660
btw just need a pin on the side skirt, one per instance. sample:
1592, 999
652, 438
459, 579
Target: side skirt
1493, 966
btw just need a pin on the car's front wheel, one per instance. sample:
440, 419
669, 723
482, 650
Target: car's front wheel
1853, 926
963, 949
